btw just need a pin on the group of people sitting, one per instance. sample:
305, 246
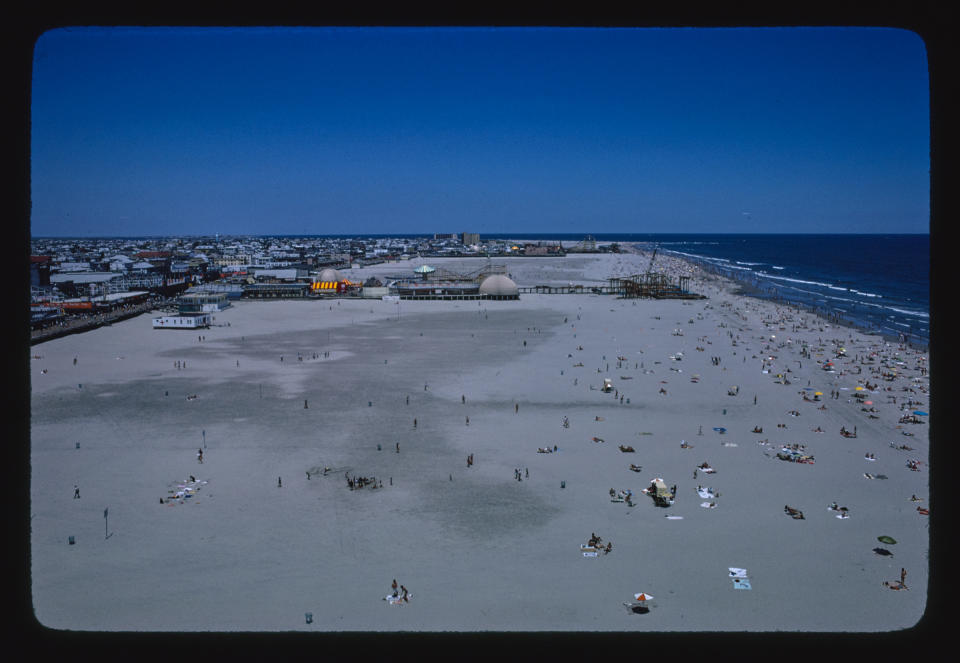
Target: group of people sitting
842, 510
846, 433
626, 449
400, 594
910, 419
546, 450
596, 542
356, 483
898, 584
796, 514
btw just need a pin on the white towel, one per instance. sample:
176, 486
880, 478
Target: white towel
737, 573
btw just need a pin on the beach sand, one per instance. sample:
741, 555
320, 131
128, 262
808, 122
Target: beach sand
478, 549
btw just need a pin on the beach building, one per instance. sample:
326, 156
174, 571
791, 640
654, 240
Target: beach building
492, 286
499, 286
185, 321
203, 302
373, 288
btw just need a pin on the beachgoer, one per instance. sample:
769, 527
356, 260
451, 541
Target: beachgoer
279, 483
76, 492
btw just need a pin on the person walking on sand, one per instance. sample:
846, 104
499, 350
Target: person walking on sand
76, 492
279, 483
200, 455
394, 587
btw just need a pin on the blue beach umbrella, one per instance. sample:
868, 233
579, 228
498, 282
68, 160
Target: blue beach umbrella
922, 414
720, 430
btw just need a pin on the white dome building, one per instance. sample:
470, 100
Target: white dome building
498, 286
330, 275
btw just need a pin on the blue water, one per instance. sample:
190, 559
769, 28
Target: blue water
880, 283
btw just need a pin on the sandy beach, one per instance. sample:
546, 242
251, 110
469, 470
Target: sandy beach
287, 399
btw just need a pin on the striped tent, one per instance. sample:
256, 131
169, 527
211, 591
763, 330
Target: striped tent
331, 286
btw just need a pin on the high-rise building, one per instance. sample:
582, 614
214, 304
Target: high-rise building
470, 238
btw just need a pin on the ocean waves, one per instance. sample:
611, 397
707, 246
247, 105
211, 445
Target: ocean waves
880, 283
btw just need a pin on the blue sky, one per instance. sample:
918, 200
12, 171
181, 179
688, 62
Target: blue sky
190, 131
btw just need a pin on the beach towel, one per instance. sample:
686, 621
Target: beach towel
674, 517
590, 554
705, 493
708, 505
741, 583
396, 600
737, 573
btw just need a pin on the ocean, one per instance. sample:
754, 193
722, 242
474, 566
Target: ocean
879, 283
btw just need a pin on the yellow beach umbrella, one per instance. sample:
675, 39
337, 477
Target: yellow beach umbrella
818, 393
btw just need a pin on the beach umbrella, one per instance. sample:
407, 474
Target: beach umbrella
720, 430
859, 389
886, 539
642, 596
868, 402
818, 393
922, 414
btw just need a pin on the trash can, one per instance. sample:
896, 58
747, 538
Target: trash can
309, 617
563, 484
70, 540
78, 445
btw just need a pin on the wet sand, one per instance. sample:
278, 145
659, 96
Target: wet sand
478, 549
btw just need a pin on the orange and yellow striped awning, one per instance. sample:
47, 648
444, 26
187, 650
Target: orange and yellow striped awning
330, 286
